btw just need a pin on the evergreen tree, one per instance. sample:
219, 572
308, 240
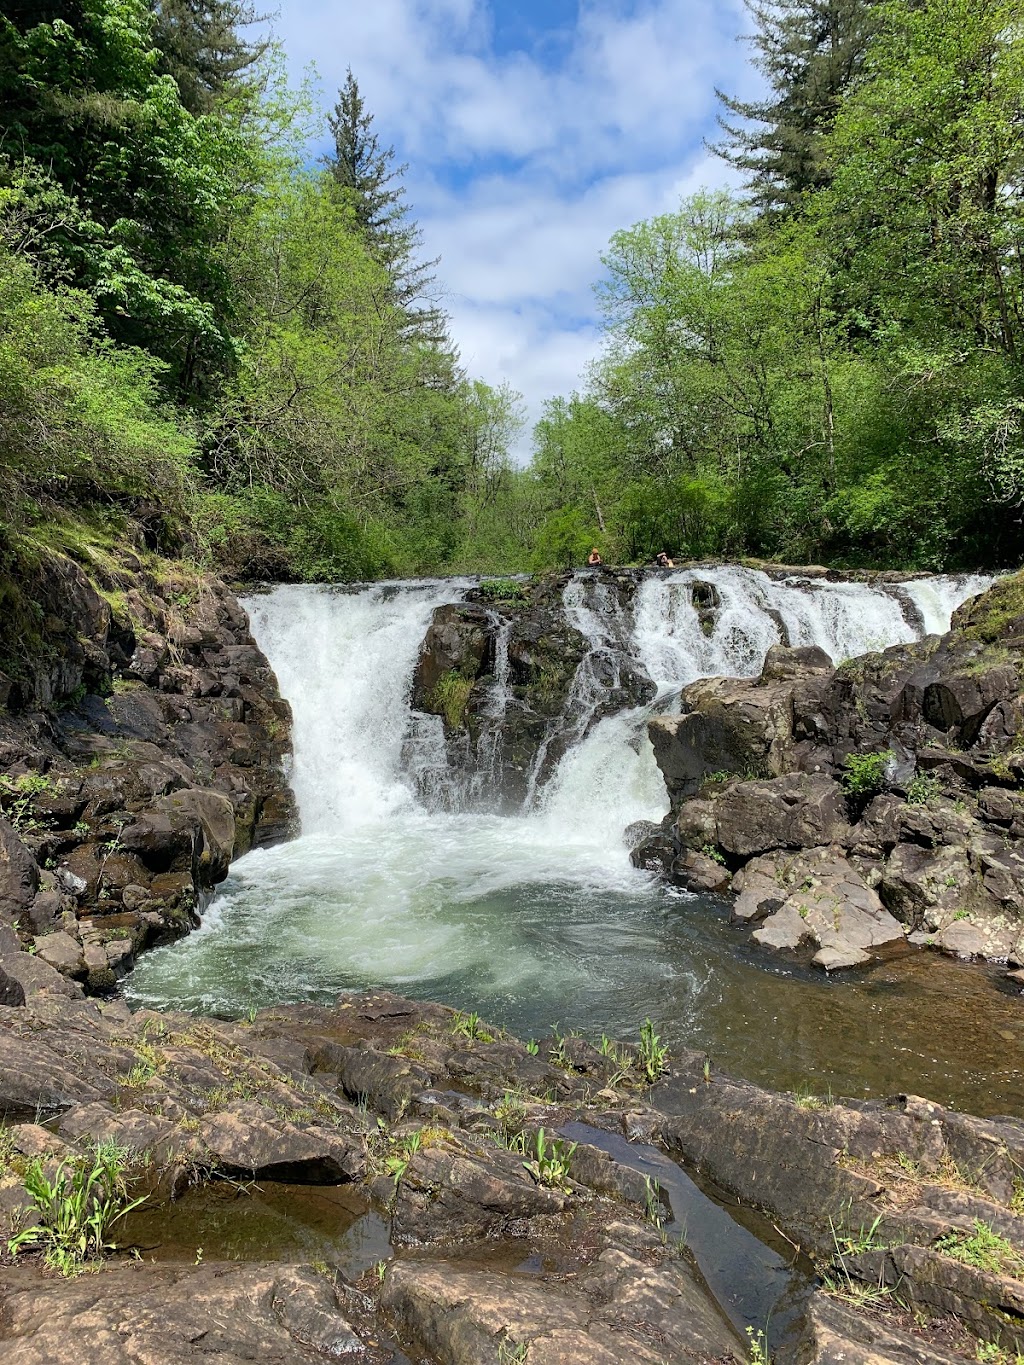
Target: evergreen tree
201, 47
371, 183
808, 51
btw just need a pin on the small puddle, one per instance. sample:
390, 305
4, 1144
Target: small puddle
268, 1222
755, 1276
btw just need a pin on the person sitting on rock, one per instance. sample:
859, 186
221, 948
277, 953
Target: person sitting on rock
594, 558
662, 560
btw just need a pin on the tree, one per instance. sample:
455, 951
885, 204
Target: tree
371, 184
120, 188
808, 51
927, 213
201, 47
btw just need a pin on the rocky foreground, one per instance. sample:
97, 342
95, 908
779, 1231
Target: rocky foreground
498, 1248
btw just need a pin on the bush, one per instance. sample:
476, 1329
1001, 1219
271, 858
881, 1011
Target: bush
503, 590
450, 697
866, 773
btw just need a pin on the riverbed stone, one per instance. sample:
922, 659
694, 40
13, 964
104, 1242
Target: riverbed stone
159, 1314
251, 1138
621, 1309
836, 1334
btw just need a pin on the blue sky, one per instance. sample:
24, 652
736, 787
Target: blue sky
532, 131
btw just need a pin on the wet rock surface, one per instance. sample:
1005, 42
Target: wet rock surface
516, 679
885, 789
141, 750
495, 1253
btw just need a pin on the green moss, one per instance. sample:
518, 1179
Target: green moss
996, 613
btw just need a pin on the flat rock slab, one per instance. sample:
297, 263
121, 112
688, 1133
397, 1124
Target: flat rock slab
838, 1336
621, 1310
252, 1138
815, 897
160, 1315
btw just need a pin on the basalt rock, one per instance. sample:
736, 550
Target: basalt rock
144, 747
490, 1257
512, 683
907, 761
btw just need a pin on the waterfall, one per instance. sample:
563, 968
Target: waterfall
530, 916
343, 658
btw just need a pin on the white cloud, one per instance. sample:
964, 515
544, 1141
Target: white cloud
521, 170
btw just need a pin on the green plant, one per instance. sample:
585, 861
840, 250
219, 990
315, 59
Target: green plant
77, 1208
557, 1054
709, 851
923, 789
551, 1161
984, 1249
806, 1099
758, 1347
654, 1209
513, 1352
470, 1026
850, 1243
510, 1111
449, 698
866, 773
17, 795
532, 1047
140, 1075
652, 1057
989, 1353
503, 590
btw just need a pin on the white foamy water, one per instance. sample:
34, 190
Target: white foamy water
533, 917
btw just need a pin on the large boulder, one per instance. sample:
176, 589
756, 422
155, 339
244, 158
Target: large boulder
19, 874
155, 1314
798, 811
191, 830
817, 898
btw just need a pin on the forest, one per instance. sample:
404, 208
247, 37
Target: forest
244, 351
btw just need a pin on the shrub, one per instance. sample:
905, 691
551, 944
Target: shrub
449, 698
503, 590
866, 773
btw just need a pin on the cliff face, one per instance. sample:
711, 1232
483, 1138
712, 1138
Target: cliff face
861, 803
142, 746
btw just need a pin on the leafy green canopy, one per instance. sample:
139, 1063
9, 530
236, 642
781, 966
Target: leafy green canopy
842, 382
190, 316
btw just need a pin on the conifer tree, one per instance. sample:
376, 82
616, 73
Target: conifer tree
808, 51
371, 182
201, 46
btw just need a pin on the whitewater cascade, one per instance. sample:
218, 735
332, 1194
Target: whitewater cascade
344, 658
535, 915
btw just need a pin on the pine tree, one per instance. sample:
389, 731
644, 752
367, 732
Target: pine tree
201, 46
371, 183
809, 51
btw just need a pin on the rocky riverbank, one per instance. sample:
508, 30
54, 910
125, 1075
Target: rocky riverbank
498, 1240
853, 806
143, 745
